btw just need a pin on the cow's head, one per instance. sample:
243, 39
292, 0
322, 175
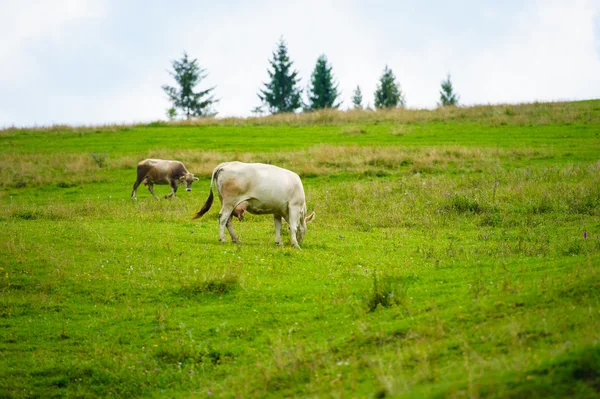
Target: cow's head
302, 227
188, 179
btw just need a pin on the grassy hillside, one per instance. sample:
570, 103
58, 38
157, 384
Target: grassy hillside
455, 253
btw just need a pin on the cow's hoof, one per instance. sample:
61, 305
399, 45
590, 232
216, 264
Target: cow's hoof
297, 246
279, 243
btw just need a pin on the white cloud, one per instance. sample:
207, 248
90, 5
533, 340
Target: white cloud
25, 24
547, 56
236, 49
77, 61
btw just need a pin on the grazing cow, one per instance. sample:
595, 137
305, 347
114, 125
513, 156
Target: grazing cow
261, 190
160, 171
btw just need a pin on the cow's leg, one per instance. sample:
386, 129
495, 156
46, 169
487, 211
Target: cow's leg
225, 220
135, 186
230, 229
277, 222
141, 173
151, 189
173, 191
293, 221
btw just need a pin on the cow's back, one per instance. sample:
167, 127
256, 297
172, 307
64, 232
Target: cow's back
271, 185
158, 170
250, 176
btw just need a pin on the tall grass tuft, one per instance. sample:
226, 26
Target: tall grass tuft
213, 282
353, 130
385, 292
463, 204
99, 158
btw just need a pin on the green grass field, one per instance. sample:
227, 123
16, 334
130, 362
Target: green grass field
455, 253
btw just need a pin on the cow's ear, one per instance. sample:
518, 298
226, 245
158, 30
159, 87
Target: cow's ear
310, 217
195, 178
182, 178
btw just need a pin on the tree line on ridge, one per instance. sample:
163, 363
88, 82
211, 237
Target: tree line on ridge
282, 92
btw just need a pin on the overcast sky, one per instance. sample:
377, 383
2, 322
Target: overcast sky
104, 61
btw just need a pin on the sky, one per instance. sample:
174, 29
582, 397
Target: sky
91, 62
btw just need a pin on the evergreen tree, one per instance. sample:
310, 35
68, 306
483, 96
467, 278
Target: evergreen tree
258, 110
447, 95
188, 74
357, 98
388, 93
281, 94
171, 113
322, 91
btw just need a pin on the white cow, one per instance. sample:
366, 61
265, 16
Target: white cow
259, 189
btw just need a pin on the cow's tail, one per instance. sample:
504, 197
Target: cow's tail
211, 197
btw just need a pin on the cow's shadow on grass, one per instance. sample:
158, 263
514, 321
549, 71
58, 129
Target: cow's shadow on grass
252, 232
257, 243
254, 243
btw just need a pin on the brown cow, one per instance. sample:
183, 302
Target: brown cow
160, 171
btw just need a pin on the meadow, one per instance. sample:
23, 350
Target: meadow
455, 253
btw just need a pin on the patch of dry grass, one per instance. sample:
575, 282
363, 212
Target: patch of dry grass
490, 115
353, 130
37, 169
330, 159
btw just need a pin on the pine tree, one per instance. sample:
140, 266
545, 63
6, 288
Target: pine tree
188, 74
447, 95
322, 92
281, 94
357, 98
258, 110
171, 114
388, 93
